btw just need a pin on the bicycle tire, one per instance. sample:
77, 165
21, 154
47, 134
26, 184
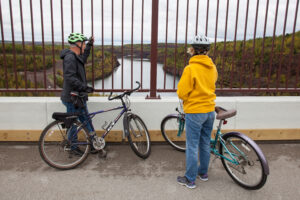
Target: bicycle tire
252, 158
171, 135
54, 138
133, 138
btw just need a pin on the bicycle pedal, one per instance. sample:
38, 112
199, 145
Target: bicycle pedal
102, 153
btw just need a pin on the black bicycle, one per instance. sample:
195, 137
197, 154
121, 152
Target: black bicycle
57, 150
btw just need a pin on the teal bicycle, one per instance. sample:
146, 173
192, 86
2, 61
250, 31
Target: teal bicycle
241, 157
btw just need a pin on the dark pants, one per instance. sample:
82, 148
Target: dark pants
72, 136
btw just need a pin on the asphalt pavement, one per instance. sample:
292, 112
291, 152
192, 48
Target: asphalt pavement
123, 175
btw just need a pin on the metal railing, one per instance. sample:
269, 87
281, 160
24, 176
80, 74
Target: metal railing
249, 58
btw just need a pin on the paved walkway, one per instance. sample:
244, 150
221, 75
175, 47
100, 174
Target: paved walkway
122, 175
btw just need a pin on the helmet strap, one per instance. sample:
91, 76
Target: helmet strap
80, 47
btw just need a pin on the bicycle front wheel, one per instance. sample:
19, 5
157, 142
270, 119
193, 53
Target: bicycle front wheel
60, 152
172, 129
138, 137
249, 170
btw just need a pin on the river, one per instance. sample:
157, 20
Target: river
117, 75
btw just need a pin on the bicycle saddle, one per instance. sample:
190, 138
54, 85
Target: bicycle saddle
222, 113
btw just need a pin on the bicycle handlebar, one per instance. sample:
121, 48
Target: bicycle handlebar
125, 93
79, 94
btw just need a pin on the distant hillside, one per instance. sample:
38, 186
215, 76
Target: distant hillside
240, 67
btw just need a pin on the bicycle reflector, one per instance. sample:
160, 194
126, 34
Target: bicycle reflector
225, 122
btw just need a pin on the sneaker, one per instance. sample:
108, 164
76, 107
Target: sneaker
203, 177
77, 151
182, 180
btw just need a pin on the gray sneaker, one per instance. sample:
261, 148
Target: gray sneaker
203, 177
182, 180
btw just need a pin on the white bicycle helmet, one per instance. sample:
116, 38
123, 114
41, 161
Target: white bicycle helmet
201, 42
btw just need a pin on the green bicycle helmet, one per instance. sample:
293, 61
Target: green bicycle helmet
76, 37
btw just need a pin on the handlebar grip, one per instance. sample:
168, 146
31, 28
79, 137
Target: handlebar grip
109, 97
139, 85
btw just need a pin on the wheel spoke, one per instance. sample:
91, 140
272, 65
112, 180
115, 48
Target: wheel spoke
53, 146
248, 172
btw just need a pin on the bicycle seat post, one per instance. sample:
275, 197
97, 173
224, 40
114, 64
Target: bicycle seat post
220, 125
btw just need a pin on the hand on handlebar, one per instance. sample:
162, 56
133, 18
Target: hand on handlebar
89, 89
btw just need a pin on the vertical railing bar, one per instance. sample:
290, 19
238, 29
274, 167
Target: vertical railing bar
53, 54
93, 54
81, 7
33, 46
175, 68
197, 15
112, 43
234, 43
102, 34
72, 20
244, 46
3, 47
224, 49
273, 41
132, 17
282, 44
23, 45
142, 34
62, 24
263, 45
207, 11
122, 45
186, 31
154, 34
253, 46
43, 43
166, 43
13, 43
216, 30
292, 50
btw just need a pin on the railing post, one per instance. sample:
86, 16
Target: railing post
154, 33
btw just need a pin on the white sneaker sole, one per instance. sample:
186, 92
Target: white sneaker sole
190, 187
203, 179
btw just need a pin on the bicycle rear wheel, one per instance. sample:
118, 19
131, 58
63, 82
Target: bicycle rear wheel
59, 152
250, 171
172, 129
138, 137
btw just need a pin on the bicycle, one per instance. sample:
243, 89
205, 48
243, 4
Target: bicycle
241, 157
58, 151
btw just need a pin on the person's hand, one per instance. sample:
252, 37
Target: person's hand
89, 89
91, 41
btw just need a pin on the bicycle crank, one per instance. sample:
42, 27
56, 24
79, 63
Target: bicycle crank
98, 143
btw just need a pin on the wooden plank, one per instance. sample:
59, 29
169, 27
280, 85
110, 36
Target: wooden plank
156, 136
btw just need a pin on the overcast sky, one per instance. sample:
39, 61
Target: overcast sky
147, 19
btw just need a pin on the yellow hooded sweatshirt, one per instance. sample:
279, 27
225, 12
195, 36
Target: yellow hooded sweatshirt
197, 85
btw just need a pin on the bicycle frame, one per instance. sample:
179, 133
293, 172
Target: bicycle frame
215, 151
93, 114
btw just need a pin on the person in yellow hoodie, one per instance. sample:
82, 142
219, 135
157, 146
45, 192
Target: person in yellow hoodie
196, 88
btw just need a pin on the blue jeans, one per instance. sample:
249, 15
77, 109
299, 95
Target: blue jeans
198, 134
72, 136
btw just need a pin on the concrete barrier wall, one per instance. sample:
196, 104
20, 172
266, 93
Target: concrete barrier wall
253, 113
